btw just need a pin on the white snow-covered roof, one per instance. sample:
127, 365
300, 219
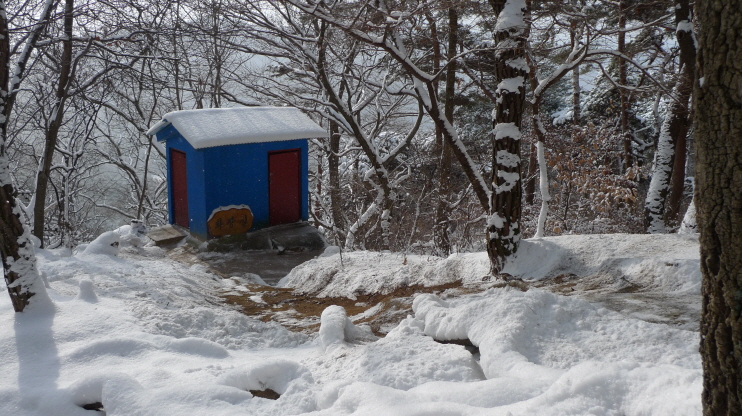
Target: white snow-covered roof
226, 126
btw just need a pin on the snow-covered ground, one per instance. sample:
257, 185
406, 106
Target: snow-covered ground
145, 335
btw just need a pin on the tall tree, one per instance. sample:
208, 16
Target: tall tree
686, 41
55, 122
19, 261
718, 197
441, 238
669, 161
623, 83
503, 224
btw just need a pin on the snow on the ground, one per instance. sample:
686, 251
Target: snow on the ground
146, 335
662, 261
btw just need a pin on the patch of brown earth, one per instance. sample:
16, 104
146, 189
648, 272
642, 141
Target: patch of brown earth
301, 312
266, 394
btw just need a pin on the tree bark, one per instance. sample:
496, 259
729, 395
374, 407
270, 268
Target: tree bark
16, 248
673, 128
576, 71
668, 175
718, 197
333, 165
442, 241
52, 132
622, 82
503, 224
687, 45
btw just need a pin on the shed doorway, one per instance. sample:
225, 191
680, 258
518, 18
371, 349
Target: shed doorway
284, 186
180, 187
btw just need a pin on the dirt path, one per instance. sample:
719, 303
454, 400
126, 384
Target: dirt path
301, 312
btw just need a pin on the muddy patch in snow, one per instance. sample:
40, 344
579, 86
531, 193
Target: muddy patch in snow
301, 312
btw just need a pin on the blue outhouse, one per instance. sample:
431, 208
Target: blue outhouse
231, 170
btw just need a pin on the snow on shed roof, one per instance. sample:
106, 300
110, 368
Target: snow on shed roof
226, 126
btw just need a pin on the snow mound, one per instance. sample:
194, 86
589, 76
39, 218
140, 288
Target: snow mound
251, 278
405, 358
336, 328
541, 354
326, 276
87, 291
275, 374
133, 234
333, 324
549, 330
106, 243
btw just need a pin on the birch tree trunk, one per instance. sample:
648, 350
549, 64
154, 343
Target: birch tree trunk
718, 198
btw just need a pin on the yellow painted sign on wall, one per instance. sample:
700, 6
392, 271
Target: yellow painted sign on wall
230, 220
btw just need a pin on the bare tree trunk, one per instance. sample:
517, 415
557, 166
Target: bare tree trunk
503, 224
16, 248
623, 81
718, 197
674, 126
576, 71
530, 187
687, 45
442, 241
52, 132
671, 142
333, 163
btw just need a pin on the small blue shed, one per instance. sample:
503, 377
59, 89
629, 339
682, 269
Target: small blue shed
231, 170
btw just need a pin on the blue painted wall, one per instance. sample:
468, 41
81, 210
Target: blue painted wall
196, 182
230, 175
238, 174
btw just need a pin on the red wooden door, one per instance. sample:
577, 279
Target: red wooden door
180, 187
284, 188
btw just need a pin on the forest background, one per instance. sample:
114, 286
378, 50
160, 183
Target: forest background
411, 91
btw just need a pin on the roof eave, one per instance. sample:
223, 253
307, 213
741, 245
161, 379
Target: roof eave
157, 127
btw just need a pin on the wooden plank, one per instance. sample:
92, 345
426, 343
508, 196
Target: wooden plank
165, 235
